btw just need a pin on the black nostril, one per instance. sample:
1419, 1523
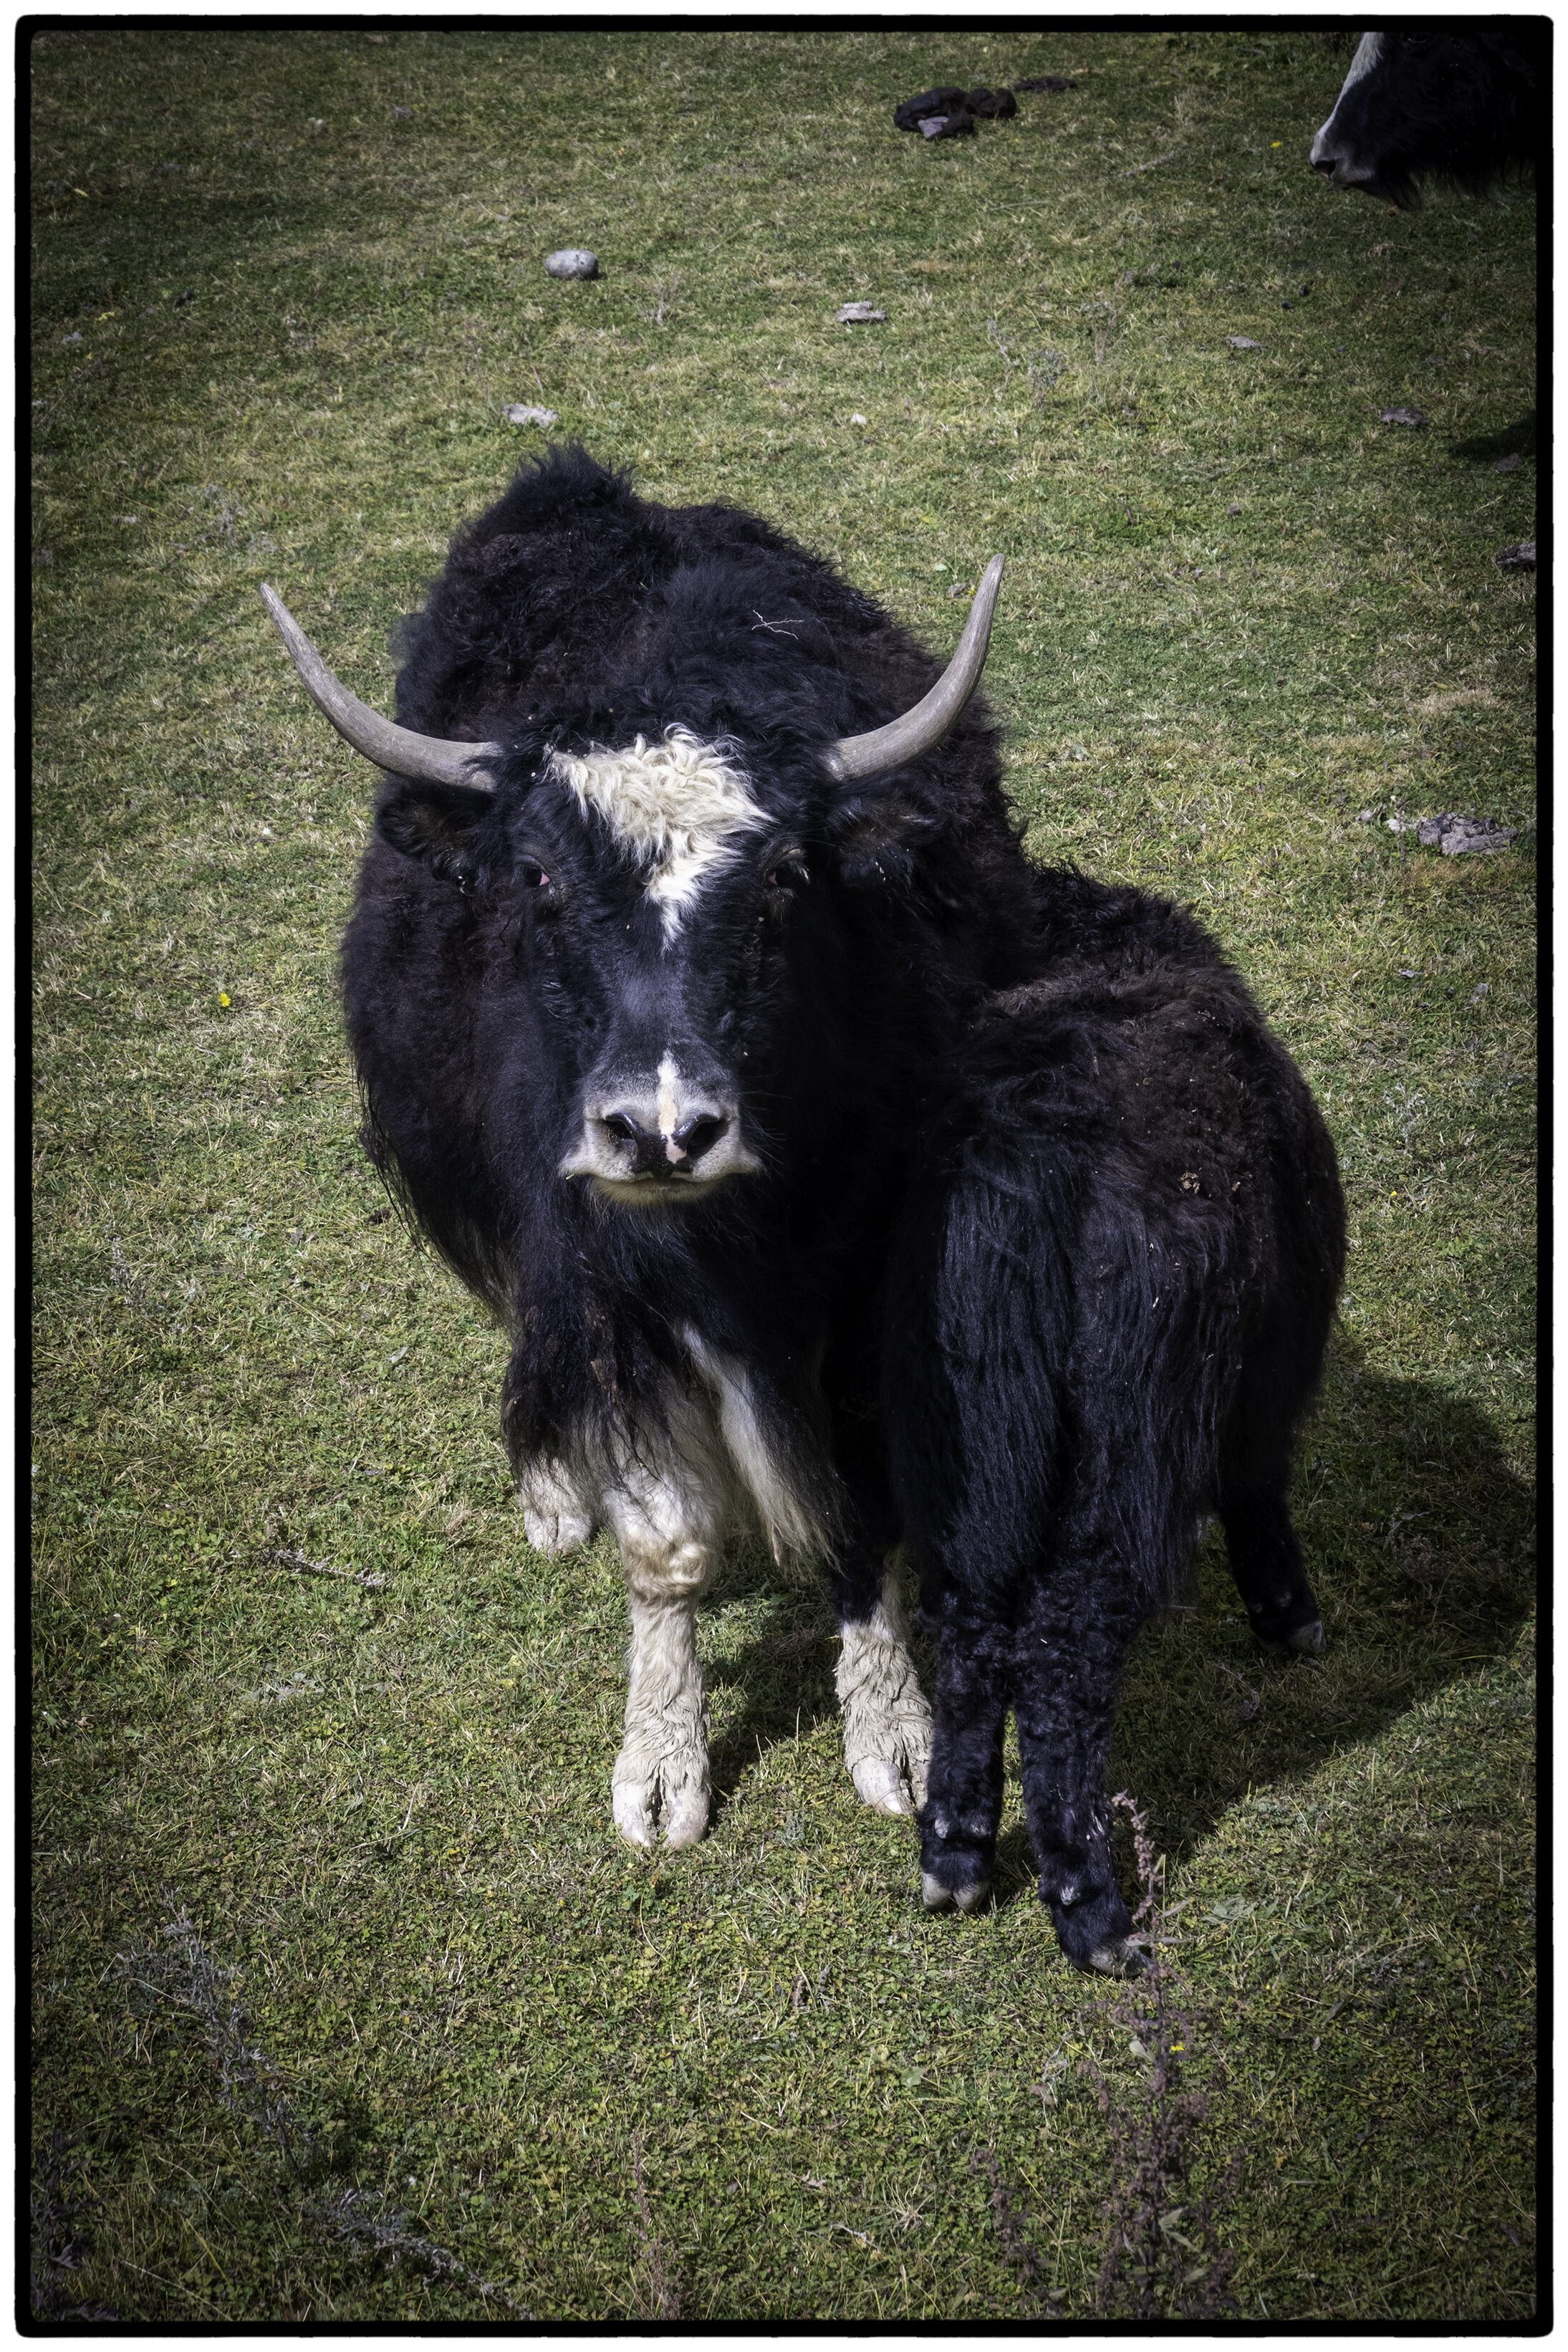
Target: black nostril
620, 1124
698, 1135
1325, 165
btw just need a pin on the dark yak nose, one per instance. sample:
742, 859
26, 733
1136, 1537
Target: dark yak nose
654, 1153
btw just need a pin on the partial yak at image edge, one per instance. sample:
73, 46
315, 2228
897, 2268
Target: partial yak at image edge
1463, 101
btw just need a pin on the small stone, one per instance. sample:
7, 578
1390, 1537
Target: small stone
858, 419
1232, 509
1403, 416
860, 314
1516, 559
401, 113
1508, 465
1242, 343
67, 339
572, 261
520, 414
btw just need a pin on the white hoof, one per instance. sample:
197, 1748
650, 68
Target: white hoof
556, 1517
553, 1532
878, 1785
654, 1796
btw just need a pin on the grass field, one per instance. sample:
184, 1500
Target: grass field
297, 1679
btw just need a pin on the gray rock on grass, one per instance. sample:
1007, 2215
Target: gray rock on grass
1516, 559
1402, 416
572, 261
518, 415
1242, 343
860, 314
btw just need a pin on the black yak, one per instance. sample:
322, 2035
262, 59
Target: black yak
838, 1172
1460, 101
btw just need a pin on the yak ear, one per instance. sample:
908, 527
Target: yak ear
878, 836
443, 826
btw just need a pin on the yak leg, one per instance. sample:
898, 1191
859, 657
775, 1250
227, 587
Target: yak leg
964, 1801
887, 1723
556, 1518
669, 1523
1266, 1562
1072, 1646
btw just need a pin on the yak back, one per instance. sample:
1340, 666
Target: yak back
1121, 1247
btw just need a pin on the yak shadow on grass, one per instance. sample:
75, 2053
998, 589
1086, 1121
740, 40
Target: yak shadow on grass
1512, 440
1419, 1541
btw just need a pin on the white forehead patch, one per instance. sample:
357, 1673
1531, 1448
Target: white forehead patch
678, 807
1368, 50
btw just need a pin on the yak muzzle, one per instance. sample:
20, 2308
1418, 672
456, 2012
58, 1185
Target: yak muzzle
672, 1138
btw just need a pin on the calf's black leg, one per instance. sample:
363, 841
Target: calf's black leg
1266, 1562
1072, 1646
963, 1803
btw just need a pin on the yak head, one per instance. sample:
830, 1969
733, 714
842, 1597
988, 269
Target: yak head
673, 983
1458, 101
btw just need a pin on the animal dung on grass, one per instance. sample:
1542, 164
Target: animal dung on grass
1456, 837
1508, 465
572, 261
949, 112
1521, 557
1242, 343
860, 314
1402, 416
520, 415
841, 1176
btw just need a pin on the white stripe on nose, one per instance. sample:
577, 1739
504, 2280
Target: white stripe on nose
668, 1104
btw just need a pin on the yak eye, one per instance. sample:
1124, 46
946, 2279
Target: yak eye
789, 874
532, 875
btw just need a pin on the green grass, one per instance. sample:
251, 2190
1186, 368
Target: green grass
1239, 613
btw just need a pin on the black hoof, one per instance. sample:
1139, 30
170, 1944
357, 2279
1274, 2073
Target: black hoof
954, 1861
1301, 1641
938, 1897
1095, 1930
1290, 1626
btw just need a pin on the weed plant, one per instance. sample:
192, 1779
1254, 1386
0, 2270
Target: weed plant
291, 1653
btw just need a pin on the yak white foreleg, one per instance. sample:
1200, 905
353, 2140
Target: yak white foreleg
887, 1722
670, 1528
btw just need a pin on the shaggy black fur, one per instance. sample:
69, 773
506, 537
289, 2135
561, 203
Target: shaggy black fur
1045, 1240
1464, 103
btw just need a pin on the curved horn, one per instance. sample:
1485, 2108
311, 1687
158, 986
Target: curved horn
425, 759
918, 729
